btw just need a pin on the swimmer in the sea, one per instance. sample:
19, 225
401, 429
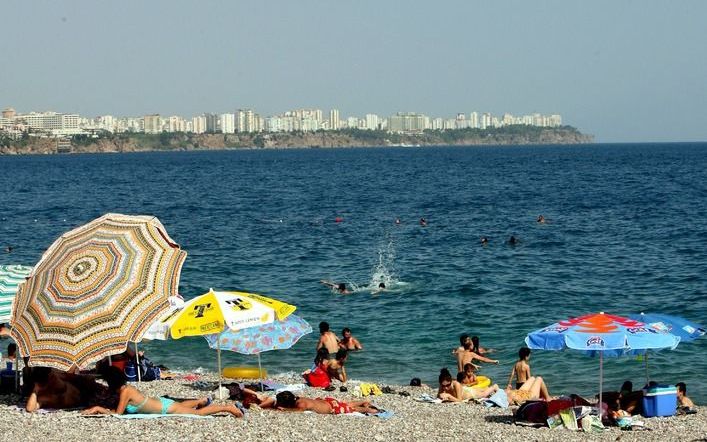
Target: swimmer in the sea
423, 222
484, 241
340, 287
541, 219
513, 240
397, 221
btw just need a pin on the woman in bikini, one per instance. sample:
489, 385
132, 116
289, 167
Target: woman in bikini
532, 389
453, 391
132, 401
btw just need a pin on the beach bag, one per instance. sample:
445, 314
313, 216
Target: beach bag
148, 372
532, 411
317, 378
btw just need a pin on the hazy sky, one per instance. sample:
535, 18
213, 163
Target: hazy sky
621, 70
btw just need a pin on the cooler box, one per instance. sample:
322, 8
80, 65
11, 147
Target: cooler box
660, 400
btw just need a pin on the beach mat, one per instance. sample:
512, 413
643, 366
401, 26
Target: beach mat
158, 416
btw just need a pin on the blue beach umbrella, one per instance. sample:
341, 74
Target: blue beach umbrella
687, 330
278, 335
602, 334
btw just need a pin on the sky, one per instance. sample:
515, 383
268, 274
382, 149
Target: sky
621, 70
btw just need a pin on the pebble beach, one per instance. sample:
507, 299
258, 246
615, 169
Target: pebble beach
411, 421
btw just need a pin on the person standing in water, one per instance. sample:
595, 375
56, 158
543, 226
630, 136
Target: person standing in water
348, 342
328, 340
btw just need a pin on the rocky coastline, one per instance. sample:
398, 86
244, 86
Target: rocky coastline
138, 142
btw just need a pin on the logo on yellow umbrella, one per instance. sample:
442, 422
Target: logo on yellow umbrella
239, 304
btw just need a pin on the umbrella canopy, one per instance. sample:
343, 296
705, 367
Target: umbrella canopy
600, 333
160, 328
96, 288
687, 331
10, 278
277, 335
215, 312
607, 334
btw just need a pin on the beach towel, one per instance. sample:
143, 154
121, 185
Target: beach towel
382, 414
498, 399
429, 399
290, 387
158, 416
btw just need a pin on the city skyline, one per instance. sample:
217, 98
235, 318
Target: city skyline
621, 71
57, 124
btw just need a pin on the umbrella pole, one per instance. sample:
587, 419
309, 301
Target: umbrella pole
137, 364
260, 373
646, 361
601, 384
218, 357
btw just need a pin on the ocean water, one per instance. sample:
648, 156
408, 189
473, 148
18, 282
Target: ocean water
626, 232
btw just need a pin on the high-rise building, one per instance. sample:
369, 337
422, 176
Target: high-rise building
474, 120
334, 119
408, 122
228, 123
153, 124
199, 124
372, 122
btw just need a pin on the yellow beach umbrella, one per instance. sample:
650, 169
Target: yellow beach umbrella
218, 311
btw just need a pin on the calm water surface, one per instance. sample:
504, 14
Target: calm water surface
627, 232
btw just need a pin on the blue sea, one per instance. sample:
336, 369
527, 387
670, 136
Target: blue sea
626, 232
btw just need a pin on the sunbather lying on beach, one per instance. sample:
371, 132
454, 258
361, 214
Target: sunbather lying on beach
50, 388
132, 401
287, 401
532, 389
453, 391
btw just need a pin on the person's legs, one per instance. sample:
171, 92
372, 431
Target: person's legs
488, 391
528, 384
538, 389
178, 408
195, 403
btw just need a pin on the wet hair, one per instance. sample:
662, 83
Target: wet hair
322, 355
286, 399
11, 349
444, 375
345, 330
463, 338
523, 353
475, 344
460, 376
342, 286
467, 365
381, 285
341, 354
115, 378
626, 386
415, 382
682, 388
323, 327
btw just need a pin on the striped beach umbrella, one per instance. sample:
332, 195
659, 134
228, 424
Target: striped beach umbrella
95, 289
10, 278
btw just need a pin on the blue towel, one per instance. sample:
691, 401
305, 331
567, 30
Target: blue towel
499, 399
156, 416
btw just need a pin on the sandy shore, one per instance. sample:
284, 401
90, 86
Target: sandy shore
412, 421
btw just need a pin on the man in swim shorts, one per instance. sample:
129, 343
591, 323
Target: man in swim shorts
327, 339
286, 400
